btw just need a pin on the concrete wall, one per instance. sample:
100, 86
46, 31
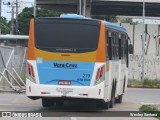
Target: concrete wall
152, 51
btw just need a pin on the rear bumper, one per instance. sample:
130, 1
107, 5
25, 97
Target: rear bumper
57, 91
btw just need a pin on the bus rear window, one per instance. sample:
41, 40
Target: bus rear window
63, 36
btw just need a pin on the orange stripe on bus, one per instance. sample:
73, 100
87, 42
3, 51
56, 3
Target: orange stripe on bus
31, 46
101, 52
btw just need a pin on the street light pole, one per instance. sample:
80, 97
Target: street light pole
84, 8
143, 40
80, 7
17, 31
35, 4
0, 17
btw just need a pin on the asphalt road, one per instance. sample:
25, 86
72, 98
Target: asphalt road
133, 99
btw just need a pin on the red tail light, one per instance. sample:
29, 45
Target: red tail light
100, 73
30, 70
97, 76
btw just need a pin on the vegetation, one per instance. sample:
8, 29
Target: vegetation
25, 16
105, 17
148, 83
150, 109
4, 25
126, 20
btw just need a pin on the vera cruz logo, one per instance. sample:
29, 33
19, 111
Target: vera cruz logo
65, 65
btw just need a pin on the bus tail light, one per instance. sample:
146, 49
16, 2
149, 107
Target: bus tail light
30, 70
100, 75
97, 76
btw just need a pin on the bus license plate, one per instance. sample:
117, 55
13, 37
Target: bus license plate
64, 82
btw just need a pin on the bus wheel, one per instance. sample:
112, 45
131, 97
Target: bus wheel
112, 97
119, 99
103, 104
59, 103
46, 102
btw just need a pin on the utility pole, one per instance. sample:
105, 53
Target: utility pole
35, 6
80, 7
0, 16
17, 31
13, 5
143, 40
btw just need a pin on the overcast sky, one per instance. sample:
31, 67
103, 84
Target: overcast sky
23, 3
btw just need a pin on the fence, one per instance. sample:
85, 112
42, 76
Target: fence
10, 79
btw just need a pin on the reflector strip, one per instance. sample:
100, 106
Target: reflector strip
45, 92
99, 91
29, 89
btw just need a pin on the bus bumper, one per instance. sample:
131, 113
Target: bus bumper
57, 91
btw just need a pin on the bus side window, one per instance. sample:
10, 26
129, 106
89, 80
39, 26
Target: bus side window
119, 45
116, 35
107, 45
110, 45
122, 45
127, 55
113, 42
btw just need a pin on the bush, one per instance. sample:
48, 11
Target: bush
147, 83
150, 109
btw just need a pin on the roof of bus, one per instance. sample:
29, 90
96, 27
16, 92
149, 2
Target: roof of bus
108, 24
114, 26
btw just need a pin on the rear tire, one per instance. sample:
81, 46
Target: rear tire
46, 102
103, 105
112, 98
119, 99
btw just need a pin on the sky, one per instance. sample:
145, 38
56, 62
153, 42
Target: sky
22, 3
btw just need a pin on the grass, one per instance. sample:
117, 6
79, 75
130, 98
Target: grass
147, 83
150, 109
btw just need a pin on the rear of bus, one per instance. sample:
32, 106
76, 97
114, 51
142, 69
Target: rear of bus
66, 59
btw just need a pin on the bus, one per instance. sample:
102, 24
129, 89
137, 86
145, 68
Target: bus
72, 57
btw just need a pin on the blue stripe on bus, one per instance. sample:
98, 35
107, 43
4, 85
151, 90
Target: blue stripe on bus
79, 73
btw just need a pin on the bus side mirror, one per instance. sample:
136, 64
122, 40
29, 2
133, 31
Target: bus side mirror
130, 49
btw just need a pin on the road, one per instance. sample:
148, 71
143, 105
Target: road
133, 99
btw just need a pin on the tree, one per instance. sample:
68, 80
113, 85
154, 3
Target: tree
4, 25
126, 20
25, 16
105, 17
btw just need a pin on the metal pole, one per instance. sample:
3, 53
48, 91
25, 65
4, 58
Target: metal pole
80, 7
12, 19
0, 17
17, 32
143, 40
133, 35
35, 4
84, 8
